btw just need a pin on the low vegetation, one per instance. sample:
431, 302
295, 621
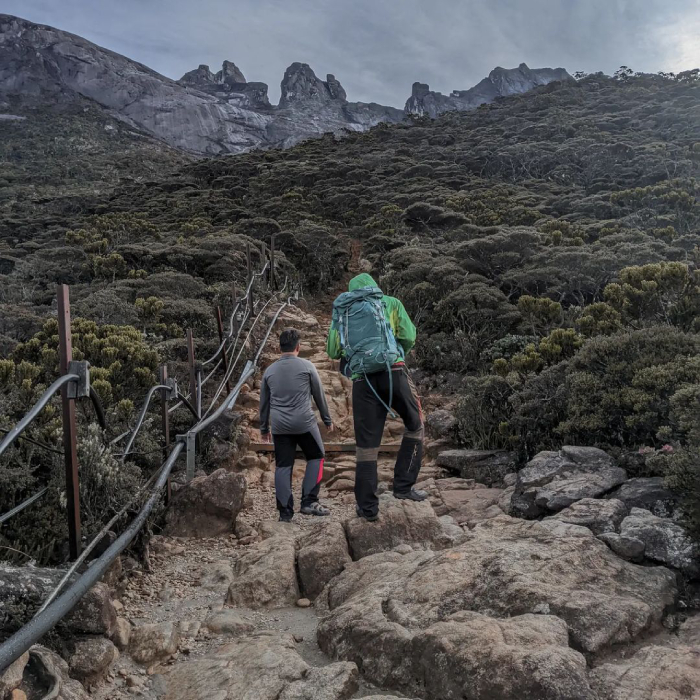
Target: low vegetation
547, 246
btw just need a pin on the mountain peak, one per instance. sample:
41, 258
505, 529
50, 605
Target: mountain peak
230, 74
301, 85
501, 82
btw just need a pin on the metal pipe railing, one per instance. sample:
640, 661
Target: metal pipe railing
142, 417
57, 606
36, 628
36, 409
23, 505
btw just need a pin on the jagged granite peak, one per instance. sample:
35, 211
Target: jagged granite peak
211, 113
200, 76
335, 88
301, 84
230, 74
501, 82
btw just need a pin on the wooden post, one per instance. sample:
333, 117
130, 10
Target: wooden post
273, 281
70, 449
220, 324
193, 372
165, 422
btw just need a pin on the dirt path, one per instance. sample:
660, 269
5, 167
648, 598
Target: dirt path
189, 578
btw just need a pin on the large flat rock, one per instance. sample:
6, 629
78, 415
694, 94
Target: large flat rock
381, 608
654, 673
265, 576
400, 522
261, 666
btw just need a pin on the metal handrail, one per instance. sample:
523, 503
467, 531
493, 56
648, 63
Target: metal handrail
36, 628
23, 505
55, 608
142, 417
36, 409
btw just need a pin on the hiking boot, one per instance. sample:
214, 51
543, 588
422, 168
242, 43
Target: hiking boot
315, 509
368, 518
412, 495
286, 518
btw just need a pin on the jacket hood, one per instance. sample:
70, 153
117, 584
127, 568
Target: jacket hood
362, 280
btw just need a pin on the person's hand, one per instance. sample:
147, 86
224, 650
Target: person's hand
266, 438
331, 429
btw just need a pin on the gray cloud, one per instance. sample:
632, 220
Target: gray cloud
378, 48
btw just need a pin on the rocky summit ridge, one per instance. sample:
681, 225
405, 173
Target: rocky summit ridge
206, 112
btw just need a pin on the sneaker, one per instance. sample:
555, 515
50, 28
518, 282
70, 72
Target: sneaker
368, 518
315, 509
286, 518
412, 495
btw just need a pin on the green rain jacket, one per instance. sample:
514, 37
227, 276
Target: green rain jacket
400, 322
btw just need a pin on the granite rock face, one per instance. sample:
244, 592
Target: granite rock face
552, 481
501, 82
515, 598
203, 112
206, 112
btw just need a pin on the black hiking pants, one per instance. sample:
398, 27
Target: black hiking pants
369, 415
311, 445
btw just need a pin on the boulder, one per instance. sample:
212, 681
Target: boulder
207, 506
648, 493
626, 547
599, 515
552, 481
380, 609
51, 672
653, 673
228, 622
24, 589
440, 423
470, 506
153, 642
92, 658
400, 522
474, 656
485, 466
261, 666
323, 554
664, 541
122, 633
11, 677
265, 576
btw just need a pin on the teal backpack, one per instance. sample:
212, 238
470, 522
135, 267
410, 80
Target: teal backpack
367, 341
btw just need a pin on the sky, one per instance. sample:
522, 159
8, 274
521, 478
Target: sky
379, 48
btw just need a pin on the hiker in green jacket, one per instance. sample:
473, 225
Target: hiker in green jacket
372, 333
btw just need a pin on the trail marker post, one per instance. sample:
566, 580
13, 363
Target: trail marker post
70, 449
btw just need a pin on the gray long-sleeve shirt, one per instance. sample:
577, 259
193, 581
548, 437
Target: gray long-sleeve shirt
288, 386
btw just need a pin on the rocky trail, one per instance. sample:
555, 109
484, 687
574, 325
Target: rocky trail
565, 581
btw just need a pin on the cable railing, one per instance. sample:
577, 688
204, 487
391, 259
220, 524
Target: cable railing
75, 385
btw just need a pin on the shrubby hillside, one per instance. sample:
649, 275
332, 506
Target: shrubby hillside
547, 246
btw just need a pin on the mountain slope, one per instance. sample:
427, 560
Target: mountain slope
209, 113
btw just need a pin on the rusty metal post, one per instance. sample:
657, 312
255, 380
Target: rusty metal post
250, 277
273, 281
70, 448
165, 422
220, 324
193, 371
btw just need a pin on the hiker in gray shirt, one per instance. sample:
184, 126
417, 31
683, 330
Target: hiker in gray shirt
288, 386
